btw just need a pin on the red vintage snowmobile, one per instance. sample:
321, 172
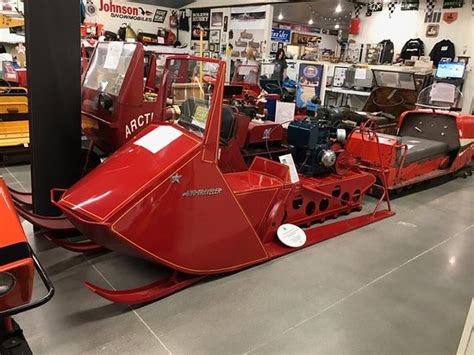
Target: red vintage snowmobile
432, 141
119, 99
163, 197
17, 268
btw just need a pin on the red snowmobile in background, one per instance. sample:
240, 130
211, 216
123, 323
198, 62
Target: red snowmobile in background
432, 141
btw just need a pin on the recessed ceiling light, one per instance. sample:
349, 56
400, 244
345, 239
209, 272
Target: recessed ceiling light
337, 26
280, 16
310, 22
338, 8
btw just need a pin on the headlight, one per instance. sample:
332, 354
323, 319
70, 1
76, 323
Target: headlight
7, 283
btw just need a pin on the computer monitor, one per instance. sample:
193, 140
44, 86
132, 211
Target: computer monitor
454, 70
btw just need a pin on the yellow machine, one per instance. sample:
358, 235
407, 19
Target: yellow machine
14, 125
14, 129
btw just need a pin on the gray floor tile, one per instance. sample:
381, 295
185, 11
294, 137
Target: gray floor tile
76, 321
418, 309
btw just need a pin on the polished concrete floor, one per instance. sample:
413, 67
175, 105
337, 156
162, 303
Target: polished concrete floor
401, 286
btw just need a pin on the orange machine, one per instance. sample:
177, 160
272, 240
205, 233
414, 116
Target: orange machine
17, 265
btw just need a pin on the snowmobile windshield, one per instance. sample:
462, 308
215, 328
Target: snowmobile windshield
190, 86
109, 66
441, 96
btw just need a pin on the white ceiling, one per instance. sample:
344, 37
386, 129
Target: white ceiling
321, 11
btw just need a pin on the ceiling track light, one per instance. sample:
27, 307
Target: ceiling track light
338, 8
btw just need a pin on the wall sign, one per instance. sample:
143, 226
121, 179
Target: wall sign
432, 31
200, 19
126, 11
113, 13
248, 18
433, 17
450, 17
216, 19
160, 16
453, 4
410, 5
280, 35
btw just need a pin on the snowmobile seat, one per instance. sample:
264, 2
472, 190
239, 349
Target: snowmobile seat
421, 149
227, 123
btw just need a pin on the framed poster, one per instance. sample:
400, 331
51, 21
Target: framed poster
226, 22
160, 16
217, 19
214, 36
274, 47
200, 19
310, 78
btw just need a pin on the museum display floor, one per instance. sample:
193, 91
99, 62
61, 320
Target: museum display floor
400, 286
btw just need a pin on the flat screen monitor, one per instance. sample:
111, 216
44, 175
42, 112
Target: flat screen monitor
453, 70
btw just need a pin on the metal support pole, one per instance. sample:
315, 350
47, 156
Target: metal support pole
54, 85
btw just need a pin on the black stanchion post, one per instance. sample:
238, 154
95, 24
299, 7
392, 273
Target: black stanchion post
54, 86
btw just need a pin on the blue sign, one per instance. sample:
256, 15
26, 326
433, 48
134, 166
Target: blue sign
280, 35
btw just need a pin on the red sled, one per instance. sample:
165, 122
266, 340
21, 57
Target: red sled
430, 143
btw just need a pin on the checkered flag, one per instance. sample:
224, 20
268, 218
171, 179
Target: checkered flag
357, 8
430, 5
391, 7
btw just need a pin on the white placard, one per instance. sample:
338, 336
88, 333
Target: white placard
361, 74
443, 92
159, 138
292, 236
114, 51
288, 161
285, 112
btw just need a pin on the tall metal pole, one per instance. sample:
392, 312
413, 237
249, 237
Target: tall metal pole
54, 86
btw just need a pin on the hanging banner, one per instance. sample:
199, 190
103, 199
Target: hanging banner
280, 35
113, 13
375, 6
450, 17
248, 18
453, 4
410, 5
200, 19
433, 17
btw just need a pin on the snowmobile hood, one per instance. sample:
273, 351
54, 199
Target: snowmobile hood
139, 165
